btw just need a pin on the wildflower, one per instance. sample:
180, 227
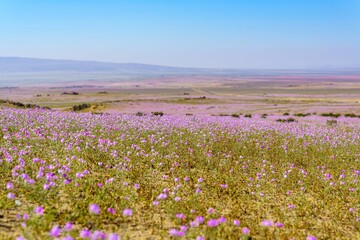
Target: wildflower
67, 238
127, 212
113, 236
200, 219
212, 223
221, 220
279, 224
39, 210
9, 185
176, 233
68, 226
236, 222
98, 235
111, 210
200, 238
11, 196
94, 208
85, 233
55, 231
310, 238
177, 199
245, 231
180, 216
267, 223
155, 203
162, 196
291, 206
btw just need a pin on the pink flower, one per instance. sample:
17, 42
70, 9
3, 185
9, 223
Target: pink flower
127, 212
176, 233
68, 226
267, 223
11, 196
55, 231
279, 224
245, 231
113, 236
111, 210
212, 223
236, 222
310, 238
180, 216
85, 233
39, 210
94, 208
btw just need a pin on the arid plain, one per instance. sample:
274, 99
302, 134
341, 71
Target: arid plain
208, 95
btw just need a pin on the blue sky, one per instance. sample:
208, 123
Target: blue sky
195, 33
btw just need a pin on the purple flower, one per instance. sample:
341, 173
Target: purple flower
94, 208
245, 231
39, 210
200, 238
310, 238
113, 236
183, 228
111, 210
221, 220
55, 231
11, 196
67, 238
98, 235
85, 233
200, 219
292, 206
279, 224
177, 199
176, 233
127, 212
162, 196
68, 226
267, 223
212, 223
180, 216
9, 185
20, 238
236, 222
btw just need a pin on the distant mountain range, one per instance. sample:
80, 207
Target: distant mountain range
35, 65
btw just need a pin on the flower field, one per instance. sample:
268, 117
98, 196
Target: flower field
85, 176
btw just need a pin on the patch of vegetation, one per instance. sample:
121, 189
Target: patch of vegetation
286, 114
351, 115
235, 115
22, 105
333, 115
248, 115
80, 107
331, 122
264, 115
70, 93
160, 114
288, 120
302, 114
140, 114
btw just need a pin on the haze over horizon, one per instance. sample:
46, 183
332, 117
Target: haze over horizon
201, 34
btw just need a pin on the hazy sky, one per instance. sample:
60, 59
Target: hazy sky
196, 33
